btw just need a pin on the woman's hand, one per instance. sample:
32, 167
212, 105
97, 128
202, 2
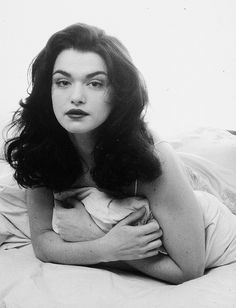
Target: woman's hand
129, 242
75, 224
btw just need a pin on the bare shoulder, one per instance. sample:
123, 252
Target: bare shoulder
173, 179
169, 159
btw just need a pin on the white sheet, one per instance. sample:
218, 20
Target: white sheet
28, 283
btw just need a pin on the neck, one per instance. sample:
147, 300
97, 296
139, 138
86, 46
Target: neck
84, 146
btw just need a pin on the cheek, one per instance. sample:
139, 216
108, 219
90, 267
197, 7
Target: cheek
57, 100
57, 109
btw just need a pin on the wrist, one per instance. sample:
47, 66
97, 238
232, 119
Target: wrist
105, 253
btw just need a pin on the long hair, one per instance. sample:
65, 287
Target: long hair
41, 152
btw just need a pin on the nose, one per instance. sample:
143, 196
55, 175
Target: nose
77, 95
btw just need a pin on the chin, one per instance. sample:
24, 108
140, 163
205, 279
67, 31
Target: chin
77, 131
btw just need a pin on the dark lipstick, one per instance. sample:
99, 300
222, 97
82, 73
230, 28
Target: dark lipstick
76, 112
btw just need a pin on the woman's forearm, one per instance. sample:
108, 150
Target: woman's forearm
49, 247
162, 267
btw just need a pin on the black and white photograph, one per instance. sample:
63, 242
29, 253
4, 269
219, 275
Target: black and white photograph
118, 154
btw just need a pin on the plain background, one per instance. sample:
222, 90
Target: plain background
186, 50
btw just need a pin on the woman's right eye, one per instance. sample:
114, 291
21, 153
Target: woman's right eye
62, 83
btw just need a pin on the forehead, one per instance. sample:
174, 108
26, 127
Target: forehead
83, 62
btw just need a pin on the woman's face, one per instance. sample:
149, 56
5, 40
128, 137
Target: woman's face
80, 91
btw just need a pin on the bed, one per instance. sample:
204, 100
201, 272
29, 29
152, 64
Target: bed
26, 282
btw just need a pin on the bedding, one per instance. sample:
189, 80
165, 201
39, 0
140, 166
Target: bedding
105, 211
209, 155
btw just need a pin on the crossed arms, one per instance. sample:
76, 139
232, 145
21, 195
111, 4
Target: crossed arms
173, 205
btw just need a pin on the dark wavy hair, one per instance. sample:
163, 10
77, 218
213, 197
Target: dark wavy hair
41, 152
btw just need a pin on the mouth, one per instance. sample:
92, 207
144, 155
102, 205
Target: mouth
76, 113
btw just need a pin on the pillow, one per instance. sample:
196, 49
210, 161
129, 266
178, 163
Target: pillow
14, 222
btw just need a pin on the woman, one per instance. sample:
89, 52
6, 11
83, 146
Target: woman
48, 157
82, 126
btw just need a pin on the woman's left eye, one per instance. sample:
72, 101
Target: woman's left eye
95, 84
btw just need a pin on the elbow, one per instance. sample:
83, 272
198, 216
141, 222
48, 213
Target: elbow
193, 273
42, 246
41, 250
193, 269
185, 274
186, 277
39, 254
191, 276
198, 268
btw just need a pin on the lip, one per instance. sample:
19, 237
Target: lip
76, 112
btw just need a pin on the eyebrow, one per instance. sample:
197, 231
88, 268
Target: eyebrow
90, 75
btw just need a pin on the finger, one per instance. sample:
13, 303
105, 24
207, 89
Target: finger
148, 228
151, 253
153, 236
147, 254
132, 218
153, 245
155, 221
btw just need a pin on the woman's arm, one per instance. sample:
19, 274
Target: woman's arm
175, 207
48, 246
124, 242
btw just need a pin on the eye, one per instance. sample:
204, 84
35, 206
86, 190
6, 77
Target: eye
95, 84
62, 83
